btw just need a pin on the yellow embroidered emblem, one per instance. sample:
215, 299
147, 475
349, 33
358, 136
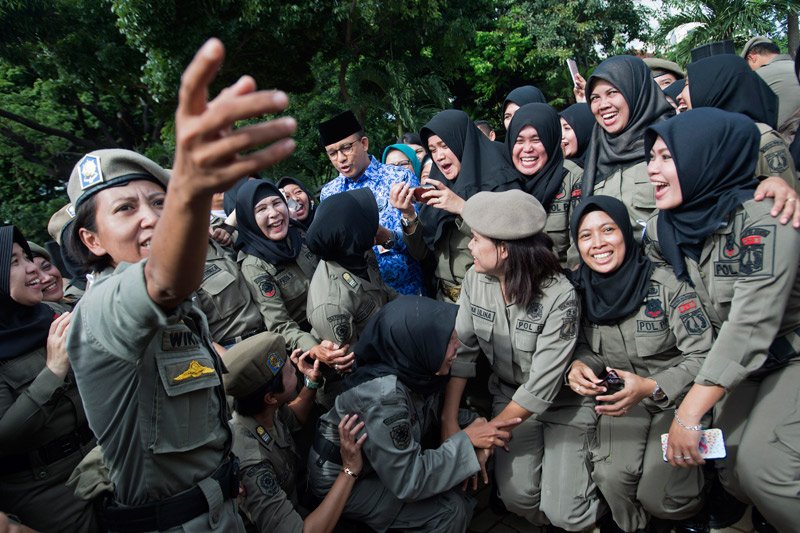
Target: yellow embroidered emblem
195, 370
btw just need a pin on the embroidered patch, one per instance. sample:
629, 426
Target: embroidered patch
535, 311
210, 270
731, 250
688, 306
480, 312
340, 324
653, 308
532, 327
569, 324
365, 311
389, 421
753, 242
274, 363
90, 171
776, 161
268, 485
401, 436
652, 290
194, 370
348, 278
651, 326
284, 278
695, 322
71, 210
262, 433
178, 339
265, 285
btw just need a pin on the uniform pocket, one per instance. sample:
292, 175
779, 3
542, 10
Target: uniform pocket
524, 345
292, 286
484, 331
184, 413
222, 289
644, 195
649, 345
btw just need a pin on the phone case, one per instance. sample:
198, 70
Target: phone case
712, 445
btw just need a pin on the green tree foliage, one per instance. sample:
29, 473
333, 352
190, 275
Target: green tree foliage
720, 20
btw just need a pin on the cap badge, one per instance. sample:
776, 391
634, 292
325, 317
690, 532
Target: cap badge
90, 172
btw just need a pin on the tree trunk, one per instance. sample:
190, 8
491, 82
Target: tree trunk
794, 34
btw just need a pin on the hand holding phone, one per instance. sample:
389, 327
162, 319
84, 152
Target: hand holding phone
422, 189
711, 446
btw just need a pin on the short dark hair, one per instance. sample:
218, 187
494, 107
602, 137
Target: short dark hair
530, 263
85, 217
763, 49
410, 137
253, 403
484, 125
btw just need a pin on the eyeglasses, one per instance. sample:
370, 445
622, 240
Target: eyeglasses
346, 149
401, 163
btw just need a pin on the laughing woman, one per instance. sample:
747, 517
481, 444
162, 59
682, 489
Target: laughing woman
149, 377
650, 328
43, 429
744, 266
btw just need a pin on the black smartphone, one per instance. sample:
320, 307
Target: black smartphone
611, 381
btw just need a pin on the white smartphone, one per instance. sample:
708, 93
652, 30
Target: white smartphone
573, 69
712, 445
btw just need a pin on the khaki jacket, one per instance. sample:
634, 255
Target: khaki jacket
452, 255
558, 217
774, 158
631, 185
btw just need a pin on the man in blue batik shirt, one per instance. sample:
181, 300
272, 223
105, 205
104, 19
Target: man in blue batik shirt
346, 146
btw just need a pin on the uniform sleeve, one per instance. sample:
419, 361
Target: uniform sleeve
463, 227
332, 322
554, 349
694, 337
774, 159
585, 354
265, 504
767, 272
267, 295
469, 351
407, 470
415, 242
118, 315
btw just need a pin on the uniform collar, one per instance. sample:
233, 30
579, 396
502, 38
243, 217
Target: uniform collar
267, 437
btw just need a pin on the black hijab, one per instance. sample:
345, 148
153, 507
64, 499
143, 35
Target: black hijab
579, 117
344, 229
484, 166
545, 184
715, 155
23, 328
609, 298
312, 207
250, 237
407, 338
527, 94
229, 200
675, 89
727, 82
647, 105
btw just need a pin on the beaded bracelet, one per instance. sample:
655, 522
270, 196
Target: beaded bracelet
686, 426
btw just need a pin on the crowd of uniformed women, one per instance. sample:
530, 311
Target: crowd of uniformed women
202, 349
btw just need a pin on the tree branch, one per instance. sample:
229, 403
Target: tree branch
47, 130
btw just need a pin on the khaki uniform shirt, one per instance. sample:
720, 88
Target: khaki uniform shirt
452, 255
779, 75
396, 419
667, 339
747, 279
281, 293
558, 217
225, 299
340, 303
774, 158
269, 464
631, 185
528, 347
150, 383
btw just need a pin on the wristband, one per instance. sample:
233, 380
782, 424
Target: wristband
686, 426
349, 472
313, 385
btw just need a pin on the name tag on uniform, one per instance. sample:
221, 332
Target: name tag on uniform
480, 312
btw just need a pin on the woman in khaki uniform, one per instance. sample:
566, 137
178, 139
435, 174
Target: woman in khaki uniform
651, 329
149, 377
277, 267
466, 162
520, 311
533, 145
347, 289
43, 429
50, 279
744, 267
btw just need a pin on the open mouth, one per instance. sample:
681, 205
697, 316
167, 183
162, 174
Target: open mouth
344, 169
49, 288
610, 117
529, 161
661, 188
145, 244
603, 257
33, 283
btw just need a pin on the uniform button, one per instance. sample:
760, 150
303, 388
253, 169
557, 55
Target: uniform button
41, 474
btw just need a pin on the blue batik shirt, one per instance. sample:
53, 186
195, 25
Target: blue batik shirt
398, 269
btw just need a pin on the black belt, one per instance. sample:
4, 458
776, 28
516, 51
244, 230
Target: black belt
327, 450
173, 511
240, 338
51, 452
780, 352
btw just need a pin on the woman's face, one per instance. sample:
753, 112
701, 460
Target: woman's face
569, 141
50, 279
528, 154
450, 355
443, 156
425, 172
126, 218
600, 242
399, 159
609, 107
664, 176
685, 98
272, 217
418, 149
296, 193
488, 257
508, 113
23, 280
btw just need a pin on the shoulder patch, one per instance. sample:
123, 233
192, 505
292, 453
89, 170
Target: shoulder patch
569, 323
754, 260
401, 435
777, 161
265, 285
389, 421
210, 270
694, 321
348, 278
267, 484
340, 324
263, 434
